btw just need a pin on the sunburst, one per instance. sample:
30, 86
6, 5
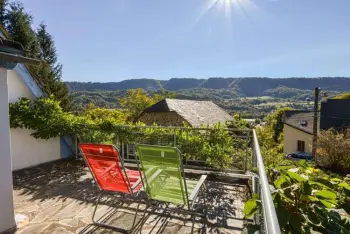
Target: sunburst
228, 6
233, 10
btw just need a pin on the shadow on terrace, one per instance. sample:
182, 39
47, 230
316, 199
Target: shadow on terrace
59, 197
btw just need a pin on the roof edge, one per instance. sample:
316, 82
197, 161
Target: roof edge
24, 73
300, 129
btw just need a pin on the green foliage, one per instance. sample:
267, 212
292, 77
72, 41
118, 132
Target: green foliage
287, 92
18, 24
50, 70
343, 96
307, 200
207, 94
275, 121
251, 207
216, 147
98, 114
333, 151
3, 5
246, 87
46, 118
271, 138
231, 97
271, 151
39, 44
137, 100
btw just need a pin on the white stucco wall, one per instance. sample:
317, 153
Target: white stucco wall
291, 138
7, 220
26, 150
17, 88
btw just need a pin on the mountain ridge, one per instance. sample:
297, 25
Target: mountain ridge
252, 86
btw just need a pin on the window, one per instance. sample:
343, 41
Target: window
301, 146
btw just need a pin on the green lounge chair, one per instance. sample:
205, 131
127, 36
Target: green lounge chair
164, 176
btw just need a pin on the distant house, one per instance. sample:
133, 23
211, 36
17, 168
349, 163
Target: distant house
298, 131
298, 125
174, 112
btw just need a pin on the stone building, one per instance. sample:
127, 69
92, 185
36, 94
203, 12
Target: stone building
175, 112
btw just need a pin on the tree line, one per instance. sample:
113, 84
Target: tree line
39, 44
254, 86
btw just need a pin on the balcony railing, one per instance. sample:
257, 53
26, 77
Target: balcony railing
267, 219
262, 187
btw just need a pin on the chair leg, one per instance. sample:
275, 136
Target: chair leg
135, 216
204, 189
143, 219
96, 205
100, 224
193, 220
104, 217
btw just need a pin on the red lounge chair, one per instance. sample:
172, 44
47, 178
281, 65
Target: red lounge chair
110, 174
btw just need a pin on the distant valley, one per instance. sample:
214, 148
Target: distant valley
248, 96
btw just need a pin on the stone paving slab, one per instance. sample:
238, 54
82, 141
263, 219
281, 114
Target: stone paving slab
59, 198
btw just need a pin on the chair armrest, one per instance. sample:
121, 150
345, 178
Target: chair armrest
198, 186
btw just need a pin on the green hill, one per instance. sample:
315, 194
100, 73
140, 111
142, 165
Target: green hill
245, 86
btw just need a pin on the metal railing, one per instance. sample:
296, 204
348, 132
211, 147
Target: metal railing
252, 158
271, 225
128, 150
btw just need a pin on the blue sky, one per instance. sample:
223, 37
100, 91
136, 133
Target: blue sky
125, 39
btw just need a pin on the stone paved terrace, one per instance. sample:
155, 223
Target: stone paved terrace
59, 197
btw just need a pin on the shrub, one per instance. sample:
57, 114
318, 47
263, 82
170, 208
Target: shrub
333, 151
343, 96
306, 200
271, 151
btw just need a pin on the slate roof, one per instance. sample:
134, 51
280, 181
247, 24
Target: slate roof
293, 118
195, 112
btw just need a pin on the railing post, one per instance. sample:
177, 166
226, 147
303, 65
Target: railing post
246, 154
76, 146
187, 145
122, 149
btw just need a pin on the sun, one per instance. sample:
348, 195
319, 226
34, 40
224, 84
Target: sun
226, 6
229, 14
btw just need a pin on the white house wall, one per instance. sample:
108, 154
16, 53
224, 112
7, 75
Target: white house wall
291, 138
7, 220
26, 150
17, 88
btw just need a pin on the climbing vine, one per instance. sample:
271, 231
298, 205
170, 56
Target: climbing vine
217, 147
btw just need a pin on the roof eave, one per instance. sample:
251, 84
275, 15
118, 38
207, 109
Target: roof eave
300, 129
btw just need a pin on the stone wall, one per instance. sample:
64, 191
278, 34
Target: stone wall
162, 118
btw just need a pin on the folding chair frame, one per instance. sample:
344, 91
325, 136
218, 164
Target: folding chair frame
200, 187
122, 195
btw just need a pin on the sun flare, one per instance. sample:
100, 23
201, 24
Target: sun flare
228, 7
235, 11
